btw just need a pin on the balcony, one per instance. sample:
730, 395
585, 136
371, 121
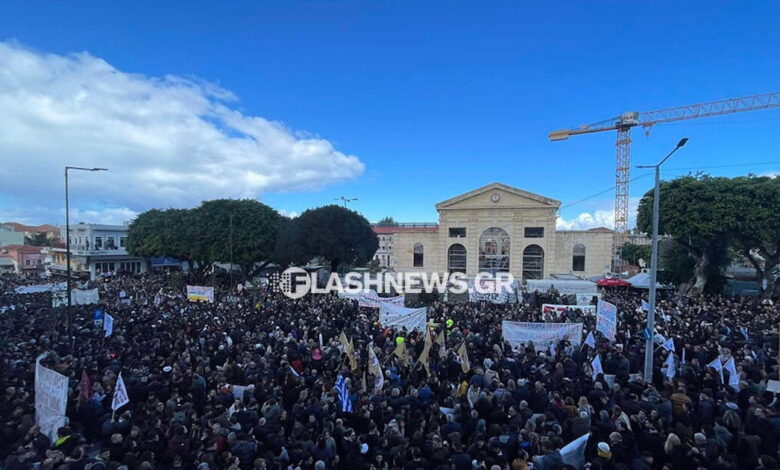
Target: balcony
81, 250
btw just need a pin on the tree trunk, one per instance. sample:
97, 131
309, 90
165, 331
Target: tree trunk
700, 273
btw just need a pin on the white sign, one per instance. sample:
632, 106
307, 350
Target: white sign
606, 319
397, 317
120, 394
773, 386
51, 399
541, 334
200, 294
559, 308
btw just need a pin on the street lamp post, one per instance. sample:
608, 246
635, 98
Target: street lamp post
67, 233
648, 375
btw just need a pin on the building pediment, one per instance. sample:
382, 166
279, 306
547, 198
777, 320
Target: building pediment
498, 196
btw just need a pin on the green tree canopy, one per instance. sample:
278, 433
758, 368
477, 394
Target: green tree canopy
38, 239
216, 231
633, 253
387, 222
332, 232
709, 215
698, 213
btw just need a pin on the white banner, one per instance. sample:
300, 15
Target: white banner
77, 296
200, 294
490, 290
399, 317
558, 308
51, 399
38, 288
541, 334
563, 286
370, 299
606, 319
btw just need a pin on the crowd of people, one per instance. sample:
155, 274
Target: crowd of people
252, 381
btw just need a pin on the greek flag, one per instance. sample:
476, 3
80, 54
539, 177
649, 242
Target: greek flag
341, 387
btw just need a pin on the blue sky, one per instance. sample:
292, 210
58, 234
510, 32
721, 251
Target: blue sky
407, 103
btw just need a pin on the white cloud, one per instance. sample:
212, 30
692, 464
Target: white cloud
601, 216
773, 174
290, 214
587, 220
167, 141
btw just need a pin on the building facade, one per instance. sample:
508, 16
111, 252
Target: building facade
9, 236
386, 237
26, 258
97, 250
50, 232
498, 228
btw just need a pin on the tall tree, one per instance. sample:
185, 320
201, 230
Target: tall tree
633, 253
757, 237
243, 231
222, 230
699, 213
337, 234
387, 222
38, 239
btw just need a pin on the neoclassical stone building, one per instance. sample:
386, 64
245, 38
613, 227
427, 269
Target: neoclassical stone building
498, 228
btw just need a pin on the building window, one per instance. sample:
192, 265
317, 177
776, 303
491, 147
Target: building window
578, 258
533, 262
122, 241
27, 262
457, 232
494, 250
417, 260
534, 232
98, 243
456, 259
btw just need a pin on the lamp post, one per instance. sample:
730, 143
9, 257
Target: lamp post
67, 233
346, 200
648, 375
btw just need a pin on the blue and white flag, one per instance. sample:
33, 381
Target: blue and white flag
108, 325
717, 365
669, 344
573, 453
645, 306
596, 364
731, 367
590, 340
294, 372
671, 367
744, 332
341, 388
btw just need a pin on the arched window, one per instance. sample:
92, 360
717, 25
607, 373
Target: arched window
533, 262
494, 250
417, 260
456, 259
578, 258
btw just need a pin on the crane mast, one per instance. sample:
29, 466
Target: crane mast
623, 124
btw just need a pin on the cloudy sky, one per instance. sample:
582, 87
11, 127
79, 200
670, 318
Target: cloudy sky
298, 103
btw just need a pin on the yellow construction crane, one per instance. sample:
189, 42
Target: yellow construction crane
623, 124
